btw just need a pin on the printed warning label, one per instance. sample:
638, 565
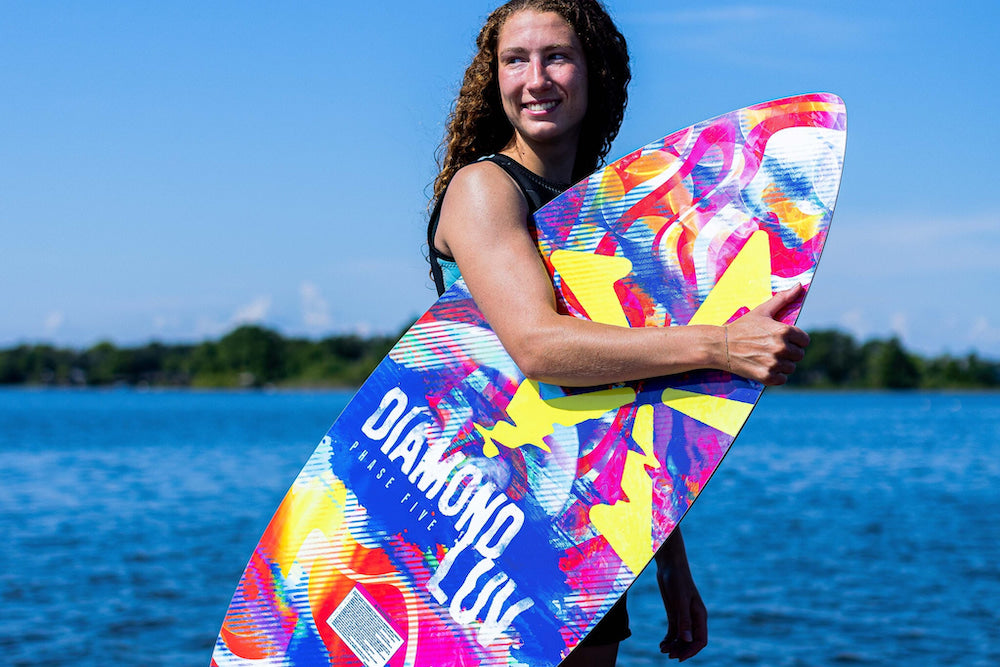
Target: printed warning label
365, 631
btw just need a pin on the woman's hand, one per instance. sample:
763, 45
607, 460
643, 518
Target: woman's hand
760, 347
687, 619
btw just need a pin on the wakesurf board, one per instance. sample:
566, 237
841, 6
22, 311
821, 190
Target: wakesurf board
457, 513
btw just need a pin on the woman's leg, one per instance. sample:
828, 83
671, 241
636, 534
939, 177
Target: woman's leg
592, 656
600, 647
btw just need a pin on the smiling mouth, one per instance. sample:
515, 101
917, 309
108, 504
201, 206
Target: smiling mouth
541, 106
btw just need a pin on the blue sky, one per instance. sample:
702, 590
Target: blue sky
171, 170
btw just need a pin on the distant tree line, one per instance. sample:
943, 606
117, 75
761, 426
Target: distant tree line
253, 356
835, 360
250, 356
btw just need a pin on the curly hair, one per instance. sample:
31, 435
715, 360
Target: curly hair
478, 126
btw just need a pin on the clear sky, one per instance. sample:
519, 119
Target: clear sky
169, 170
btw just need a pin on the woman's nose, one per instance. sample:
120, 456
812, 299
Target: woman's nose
538, 76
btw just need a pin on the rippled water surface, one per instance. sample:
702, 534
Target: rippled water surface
842, 529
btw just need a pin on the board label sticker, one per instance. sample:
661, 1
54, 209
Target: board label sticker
365, 631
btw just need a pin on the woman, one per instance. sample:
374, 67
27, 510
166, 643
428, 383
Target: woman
539, 107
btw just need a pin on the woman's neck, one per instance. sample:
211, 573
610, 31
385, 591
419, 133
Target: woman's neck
553, 162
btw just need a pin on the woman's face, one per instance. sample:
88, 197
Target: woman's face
542, 72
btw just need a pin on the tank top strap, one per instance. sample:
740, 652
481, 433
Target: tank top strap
537, 191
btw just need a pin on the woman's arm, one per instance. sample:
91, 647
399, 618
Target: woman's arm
687, 619
482, 226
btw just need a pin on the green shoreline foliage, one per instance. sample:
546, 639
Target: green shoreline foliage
249, 356
253, 356
834, 360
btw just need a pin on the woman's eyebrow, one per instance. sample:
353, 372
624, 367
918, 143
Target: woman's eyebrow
557, 46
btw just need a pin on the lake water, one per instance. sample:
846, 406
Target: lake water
842, 529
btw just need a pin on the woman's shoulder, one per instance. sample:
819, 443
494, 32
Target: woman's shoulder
482, 188
482, 174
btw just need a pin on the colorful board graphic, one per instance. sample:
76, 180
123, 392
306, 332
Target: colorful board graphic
459, 514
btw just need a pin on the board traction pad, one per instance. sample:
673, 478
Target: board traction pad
459, 514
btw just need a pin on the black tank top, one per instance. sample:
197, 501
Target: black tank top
537, 193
